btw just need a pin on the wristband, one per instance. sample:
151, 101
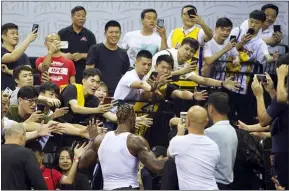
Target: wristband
75, 159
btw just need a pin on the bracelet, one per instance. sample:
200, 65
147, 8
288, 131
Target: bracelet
75, 159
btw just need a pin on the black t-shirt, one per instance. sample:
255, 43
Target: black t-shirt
279, 113
70, 93
81, 43
6, 79
20, 169
112, 64
80, 183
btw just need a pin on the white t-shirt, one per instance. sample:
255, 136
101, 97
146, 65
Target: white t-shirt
196, 157
201, 36
134, 41
174, 53
123, 90
226, 138
212, 47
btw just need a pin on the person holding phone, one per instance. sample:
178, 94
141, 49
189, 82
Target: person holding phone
191, 19
146, 38
220, 48
12, 56
60, 70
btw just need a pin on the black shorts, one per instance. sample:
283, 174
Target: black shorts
280, 168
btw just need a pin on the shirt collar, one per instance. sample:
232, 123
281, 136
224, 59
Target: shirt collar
188, 30
223, 122
72, 31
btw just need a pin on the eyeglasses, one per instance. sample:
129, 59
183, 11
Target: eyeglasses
31, 101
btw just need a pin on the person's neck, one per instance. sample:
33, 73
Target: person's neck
22, 114
147, 31
122, 128
218, 118
265, 27
219, 40
13, 141
186, 27
9, 47
110, 46
65, 172
138, 74
196, 130
77, 29
85, 93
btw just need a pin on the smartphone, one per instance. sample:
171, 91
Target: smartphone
251, 31
192, 13
35, 26
40, 107
194, 59
277, 28
275, 181
183, 116
8, 91
63, 44
160, 23
154, 75
233, 38
107, 100
262, 78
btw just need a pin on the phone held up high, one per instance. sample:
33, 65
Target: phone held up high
107, 100
160, 23
35, 26
261, 78
233, 38
277, 28
192, 13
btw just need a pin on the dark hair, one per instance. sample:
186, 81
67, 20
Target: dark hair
144, 54
91, 72
19, 69
56, 159
224, 22
142, 15
35, 146
27, 92
49, 86
258, 15
77, 8
123, 112
6, 27
192, 42
189, 6
112, 23
166, 58
220, 101
270, 6
283, 60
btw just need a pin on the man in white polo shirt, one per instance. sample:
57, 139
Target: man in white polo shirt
225, 136
196, 155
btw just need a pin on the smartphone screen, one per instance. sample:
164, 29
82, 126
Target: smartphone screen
261, 78
107, 100
40, 107
160, 23
277, 28
233, 38
251, 31
35, 26
153, 75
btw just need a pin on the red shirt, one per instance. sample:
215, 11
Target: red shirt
48, 175
60, 70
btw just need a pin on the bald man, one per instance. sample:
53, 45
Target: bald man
18, 164
55, 67
195, 154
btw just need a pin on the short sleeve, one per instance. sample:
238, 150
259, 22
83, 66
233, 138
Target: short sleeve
207, 50
126, 63
27, 61
38, 62
92, 56
276, 108
3, 51
72, 70
92, 41
128, 79
201, 37
56, 176
69, 93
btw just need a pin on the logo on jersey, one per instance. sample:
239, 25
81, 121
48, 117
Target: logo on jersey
60, 71
83, 39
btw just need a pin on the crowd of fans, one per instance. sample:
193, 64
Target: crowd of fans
75, 130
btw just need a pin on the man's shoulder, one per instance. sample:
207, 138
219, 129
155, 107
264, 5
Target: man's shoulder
4, 50
88, 31
64, 30
133, 33
98, 46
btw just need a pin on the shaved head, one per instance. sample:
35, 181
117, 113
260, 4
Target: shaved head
52, 37
15, 134
197, 117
